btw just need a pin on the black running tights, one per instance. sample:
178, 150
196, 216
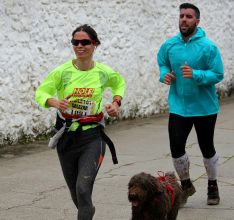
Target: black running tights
80, 155
179, 128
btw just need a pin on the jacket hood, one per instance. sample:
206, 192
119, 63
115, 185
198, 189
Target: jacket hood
200, 33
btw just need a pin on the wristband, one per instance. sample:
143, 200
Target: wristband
117, 101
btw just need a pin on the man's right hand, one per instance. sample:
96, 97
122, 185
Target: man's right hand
169, 78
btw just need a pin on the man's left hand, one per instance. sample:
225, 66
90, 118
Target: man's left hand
187, 71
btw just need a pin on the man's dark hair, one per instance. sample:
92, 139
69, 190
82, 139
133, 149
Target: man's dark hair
189, 5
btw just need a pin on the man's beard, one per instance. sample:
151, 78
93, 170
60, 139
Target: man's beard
189, 31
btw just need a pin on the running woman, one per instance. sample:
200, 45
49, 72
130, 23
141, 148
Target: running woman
79, 85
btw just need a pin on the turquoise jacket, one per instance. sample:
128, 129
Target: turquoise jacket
196, 96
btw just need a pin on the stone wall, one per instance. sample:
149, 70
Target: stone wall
35, 38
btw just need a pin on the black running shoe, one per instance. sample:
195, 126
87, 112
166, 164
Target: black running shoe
213, 195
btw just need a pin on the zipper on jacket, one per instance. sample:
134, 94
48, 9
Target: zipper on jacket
185, 61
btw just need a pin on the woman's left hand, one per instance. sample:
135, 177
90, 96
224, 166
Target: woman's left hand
112, 109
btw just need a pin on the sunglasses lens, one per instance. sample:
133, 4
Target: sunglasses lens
83, 42
73, 42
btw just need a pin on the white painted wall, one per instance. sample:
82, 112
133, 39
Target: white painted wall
35, 38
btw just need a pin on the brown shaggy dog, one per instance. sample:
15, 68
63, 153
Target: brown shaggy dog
154, 198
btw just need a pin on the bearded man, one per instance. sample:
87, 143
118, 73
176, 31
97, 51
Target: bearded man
191, 65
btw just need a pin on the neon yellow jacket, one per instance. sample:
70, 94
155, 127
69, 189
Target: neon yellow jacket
84, 88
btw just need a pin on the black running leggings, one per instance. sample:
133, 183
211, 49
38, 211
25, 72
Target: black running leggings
179, 128
80, 155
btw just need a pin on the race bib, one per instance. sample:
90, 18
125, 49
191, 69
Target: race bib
80, 107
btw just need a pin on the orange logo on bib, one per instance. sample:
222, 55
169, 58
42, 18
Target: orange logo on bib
83, 92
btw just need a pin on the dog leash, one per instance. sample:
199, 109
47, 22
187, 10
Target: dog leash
162, 178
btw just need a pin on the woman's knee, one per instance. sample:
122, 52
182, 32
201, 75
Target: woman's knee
84, 187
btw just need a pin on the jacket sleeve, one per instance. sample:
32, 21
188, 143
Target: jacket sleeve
46, 90
117, 84
214, 73
163, 62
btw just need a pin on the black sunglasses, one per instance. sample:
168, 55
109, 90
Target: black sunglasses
83, 42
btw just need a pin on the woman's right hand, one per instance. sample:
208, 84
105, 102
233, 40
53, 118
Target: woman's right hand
61, 105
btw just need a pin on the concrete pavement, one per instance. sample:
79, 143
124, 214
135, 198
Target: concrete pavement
32, 186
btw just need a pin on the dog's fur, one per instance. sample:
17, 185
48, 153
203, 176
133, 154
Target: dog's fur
150, 198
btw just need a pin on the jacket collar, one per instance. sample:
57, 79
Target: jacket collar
200, 33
